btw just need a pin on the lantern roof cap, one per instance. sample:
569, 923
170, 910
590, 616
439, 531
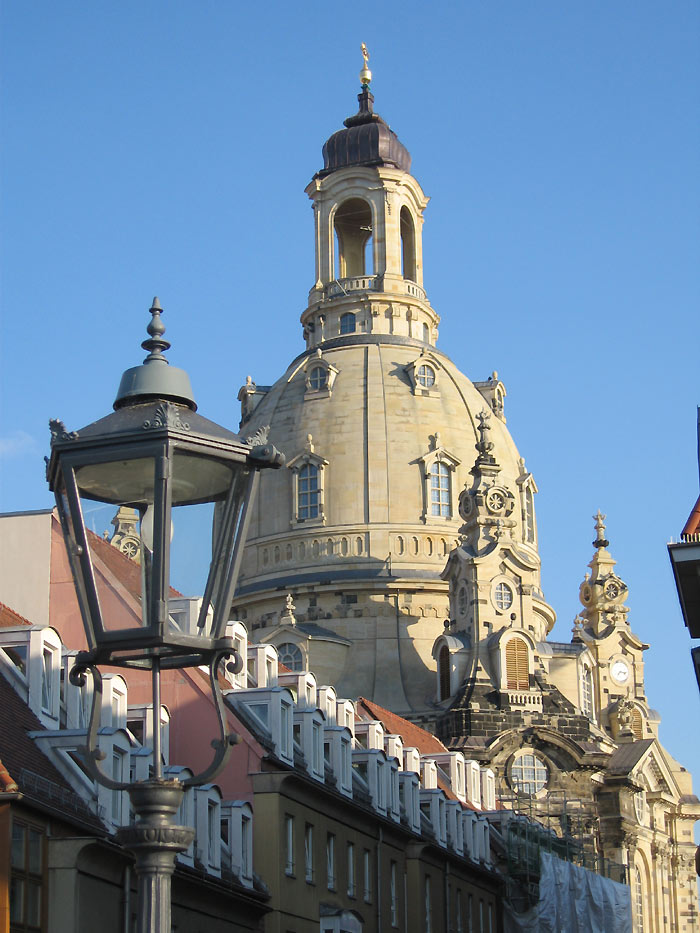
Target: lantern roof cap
155, 378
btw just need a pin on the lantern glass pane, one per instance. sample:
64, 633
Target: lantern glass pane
190, 549
120, 482
200, 479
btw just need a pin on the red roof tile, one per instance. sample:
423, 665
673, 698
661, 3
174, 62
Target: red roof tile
10, 619
412, 735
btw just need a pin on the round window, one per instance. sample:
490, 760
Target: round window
528, 773
462, 600
318, 377
425, 376
503, 596
290, 655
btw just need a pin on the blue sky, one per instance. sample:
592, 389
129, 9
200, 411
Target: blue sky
163, 148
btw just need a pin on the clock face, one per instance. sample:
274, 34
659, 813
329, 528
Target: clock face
619, 672
612, 590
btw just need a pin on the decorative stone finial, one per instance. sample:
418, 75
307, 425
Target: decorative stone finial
365, 73
288, 617
600, 539
484, 446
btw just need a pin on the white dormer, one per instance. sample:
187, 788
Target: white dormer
394, 799
237, 840
308, 732
409, 797
369, 734
455, 826
114, 701
488, 789
338, 752
452, 763
139, 722
239, 635
393, 746
433, 807
271, 708
303, 686
345, 714
428, 772
207, 825
470, 834
372, 765
33, 662
115, 746
327, 700
411, 759
262, 667
473, 783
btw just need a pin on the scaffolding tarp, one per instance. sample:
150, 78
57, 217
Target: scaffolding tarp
573, 900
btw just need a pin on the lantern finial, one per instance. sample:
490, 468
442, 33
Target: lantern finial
147, 381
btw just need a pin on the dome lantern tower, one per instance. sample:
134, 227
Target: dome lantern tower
368, 215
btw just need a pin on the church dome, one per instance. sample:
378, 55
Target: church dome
366, 140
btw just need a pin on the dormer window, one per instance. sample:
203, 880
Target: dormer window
425, 376
309, 492
440, 492
517, 665
318, 378
308, 469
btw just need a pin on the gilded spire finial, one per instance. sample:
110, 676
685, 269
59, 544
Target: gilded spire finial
365, 74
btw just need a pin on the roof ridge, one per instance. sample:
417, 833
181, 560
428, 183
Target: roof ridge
13, 612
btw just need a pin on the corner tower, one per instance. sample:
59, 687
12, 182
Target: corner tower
379, 428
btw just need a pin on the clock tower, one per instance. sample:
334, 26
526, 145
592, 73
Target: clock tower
603, 626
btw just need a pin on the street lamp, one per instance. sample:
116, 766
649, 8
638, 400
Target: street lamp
155, 454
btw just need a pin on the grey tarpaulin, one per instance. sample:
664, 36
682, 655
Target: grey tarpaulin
573, 900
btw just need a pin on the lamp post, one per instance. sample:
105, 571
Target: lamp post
155, 454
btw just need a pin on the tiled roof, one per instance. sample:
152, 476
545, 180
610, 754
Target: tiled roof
11, 619
692, 526
413, 736
20, 755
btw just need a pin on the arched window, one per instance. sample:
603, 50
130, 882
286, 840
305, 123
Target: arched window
318, 378
408, 245
347, 323
307, 491
528, 773
353, 232
440, 497
290, 655
638, 902
517, 671
444, 673
586, 691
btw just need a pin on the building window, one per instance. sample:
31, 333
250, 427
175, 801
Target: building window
528, 773
290, 655
330, 861
308, 492
351, 870
503, 596
587, 691
638, 902
246, 847
26, 876
394, 895
118, 760
440, 498
289, 844
425, 376
309, 853
470, 911
459, 922
367, 876
347, 323
47, 690
318, 378
517, 665
529, 516
444, 673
